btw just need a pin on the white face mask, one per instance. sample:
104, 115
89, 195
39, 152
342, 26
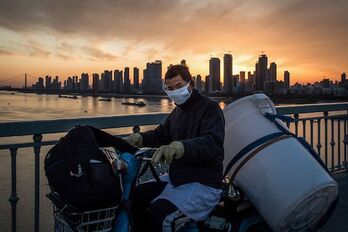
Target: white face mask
179, 96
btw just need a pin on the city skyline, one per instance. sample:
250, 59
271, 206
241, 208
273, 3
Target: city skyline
58, 38
220, 80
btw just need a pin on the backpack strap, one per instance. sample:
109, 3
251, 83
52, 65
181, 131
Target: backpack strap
105, 139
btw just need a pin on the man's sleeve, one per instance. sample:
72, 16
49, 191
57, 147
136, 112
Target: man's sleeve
208, 146
158, 136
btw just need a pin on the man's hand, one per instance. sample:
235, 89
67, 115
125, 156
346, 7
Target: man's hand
134, 139
168, 152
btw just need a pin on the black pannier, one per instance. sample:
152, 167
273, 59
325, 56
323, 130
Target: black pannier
78, 170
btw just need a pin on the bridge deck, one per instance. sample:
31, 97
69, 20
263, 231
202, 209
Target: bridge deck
339, 219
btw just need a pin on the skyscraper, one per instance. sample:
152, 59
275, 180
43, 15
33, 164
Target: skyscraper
153, 77
39, 84
272, 72
214, 73
271, 79
95, 83
107, 83
343, 77
242, 81
207, 84
84, 82
242, 77
117, 81
261, 72
344, 81
235, 82
126, 80
286, 80
198, 83
48, 82
228, 72
136, 77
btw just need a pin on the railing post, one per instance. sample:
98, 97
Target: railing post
296, 116
13, 198
339, 142
345, 141
325, 138
37, 145
332, 143
319, 143
311, 130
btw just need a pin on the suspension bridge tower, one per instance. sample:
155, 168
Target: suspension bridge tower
25, 81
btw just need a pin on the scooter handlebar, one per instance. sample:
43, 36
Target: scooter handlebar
145, 153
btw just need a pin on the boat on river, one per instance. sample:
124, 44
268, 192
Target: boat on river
135, 103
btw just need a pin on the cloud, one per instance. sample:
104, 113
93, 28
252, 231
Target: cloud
5, 52
97, 54
312, 32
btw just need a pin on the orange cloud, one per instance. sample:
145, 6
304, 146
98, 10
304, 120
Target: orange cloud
306, 37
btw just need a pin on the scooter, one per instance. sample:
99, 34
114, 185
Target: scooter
233, 213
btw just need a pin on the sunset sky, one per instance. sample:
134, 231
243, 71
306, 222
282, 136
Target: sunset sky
58, 37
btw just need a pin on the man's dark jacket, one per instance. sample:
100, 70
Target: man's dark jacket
199, 124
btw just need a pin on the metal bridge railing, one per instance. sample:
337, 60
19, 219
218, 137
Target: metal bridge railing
325, 126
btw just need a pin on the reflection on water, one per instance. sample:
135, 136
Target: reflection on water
23, 106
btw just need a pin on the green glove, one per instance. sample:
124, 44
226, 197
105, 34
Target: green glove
168, 152
135, 139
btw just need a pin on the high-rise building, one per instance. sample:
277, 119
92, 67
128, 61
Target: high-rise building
95, 83
271, 78
235, 82
214, 73
228, 72
136, 77
153, 77
272, 72
286, 80
84, 82
69, 84
56, 84
126, 80
118, 81
261, 72
207, 84
39, 84
344, 81
198, 83
48, 82
343, 77
242, 81
107, 82
242, 77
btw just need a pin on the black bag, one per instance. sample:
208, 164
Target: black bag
80, 172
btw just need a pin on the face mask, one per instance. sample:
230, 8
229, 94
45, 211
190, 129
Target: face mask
179, 96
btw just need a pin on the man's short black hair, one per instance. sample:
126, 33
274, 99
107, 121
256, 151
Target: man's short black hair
175, 70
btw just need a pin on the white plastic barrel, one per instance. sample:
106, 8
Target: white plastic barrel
284, 182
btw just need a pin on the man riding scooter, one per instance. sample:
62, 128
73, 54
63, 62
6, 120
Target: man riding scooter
191, 141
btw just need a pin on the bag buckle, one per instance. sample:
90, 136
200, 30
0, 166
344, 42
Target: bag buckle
79, 171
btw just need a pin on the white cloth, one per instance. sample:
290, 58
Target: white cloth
195, 200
